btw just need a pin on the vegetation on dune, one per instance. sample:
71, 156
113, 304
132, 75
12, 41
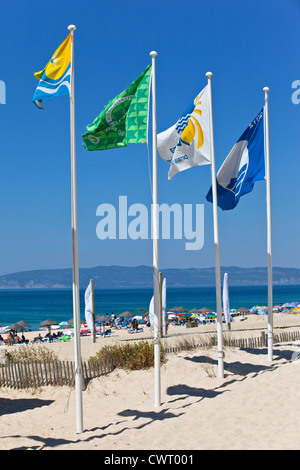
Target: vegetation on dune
131, 356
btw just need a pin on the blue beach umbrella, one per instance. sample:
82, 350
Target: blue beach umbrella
262, 311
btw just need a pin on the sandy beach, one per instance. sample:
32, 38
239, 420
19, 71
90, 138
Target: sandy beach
253, 407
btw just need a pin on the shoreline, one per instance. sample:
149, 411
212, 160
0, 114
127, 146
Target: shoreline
248, 326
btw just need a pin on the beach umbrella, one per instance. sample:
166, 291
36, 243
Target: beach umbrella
195, 310
15, 327
101, 318
195, 315
23, 324
243, 310
64, 323
48, 323
206, 310
126, 314
262, 311
179, 310
71, 321
171, 315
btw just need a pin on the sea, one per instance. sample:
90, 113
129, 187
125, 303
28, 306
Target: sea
37, 305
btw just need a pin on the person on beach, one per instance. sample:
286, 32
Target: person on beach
135, 324
18, 339
24, 340
10, 338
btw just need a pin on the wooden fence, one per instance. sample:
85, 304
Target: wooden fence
34, 374
242, 343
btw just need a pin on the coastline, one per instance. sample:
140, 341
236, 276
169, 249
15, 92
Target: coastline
34, 305
247, 326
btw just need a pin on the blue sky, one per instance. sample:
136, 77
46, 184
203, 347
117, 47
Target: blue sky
246, 44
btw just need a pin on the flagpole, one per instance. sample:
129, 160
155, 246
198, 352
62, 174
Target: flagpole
269, 227
155, 235
76, 302
216, 237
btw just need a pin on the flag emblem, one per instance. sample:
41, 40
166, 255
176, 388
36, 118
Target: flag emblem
187, 143
193, 129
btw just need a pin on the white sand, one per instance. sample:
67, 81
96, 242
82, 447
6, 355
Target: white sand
254, 407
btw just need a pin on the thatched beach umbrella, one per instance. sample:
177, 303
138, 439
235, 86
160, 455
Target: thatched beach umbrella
242, 310
71, 321
206, 310
101, 318
126, 314
180, 310
195, 310
15, 327
48, 323
23, 324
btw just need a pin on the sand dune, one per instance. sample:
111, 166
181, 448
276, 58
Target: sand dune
253, 407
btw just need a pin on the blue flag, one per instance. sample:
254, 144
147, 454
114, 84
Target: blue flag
244, 165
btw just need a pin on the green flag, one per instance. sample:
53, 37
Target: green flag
124, 119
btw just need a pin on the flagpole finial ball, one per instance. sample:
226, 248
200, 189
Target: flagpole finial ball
71, 27
209, 74
153, 53
266, 89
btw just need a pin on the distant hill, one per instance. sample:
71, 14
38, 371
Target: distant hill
142, 276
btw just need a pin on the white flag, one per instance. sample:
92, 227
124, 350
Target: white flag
151, 313
226, 306
187, 143
164, 306
89, 309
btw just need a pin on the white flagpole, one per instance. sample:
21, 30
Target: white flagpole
216, 238
76, 304
155, 235
269, 227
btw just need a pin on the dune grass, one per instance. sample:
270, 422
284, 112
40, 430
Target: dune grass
130, 356
32, 353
